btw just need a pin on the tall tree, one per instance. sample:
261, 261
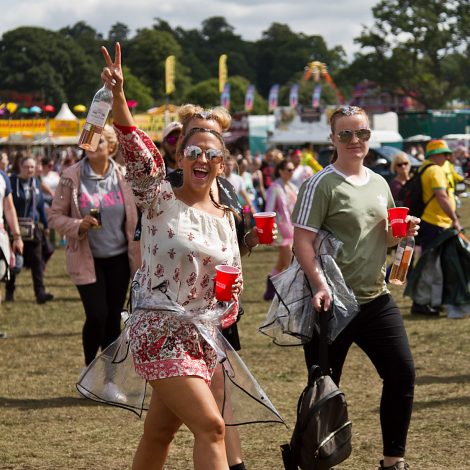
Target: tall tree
282, 53
217, 37
145, 55
36, 59
136, 90
417, 47
119, 32
86, 37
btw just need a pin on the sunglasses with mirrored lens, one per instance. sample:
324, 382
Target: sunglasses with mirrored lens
403, 164
172, 139
193, 152
345, 137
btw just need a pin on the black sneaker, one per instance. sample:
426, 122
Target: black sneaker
43, 298
401, 465
9, 296
420, 309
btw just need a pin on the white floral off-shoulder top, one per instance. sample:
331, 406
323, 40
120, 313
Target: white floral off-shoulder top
180, 245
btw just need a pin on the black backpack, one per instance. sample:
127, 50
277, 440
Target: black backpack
411, 195
322, 433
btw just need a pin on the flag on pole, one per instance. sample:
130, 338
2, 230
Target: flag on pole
249, 98
316, 96
225, 96
170, 74
273, 97
294, 96
222, 72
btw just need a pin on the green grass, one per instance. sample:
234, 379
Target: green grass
45, 425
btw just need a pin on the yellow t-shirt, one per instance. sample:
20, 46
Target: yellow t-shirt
452, 176
435, 178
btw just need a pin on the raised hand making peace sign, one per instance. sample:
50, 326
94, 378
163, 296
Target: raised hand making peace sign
112, 73
112, 77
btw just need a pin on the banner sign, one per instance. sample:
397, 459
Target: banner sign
225, 96
33, 127
294, 96
170, 74
249, 98
316, 96
273, 97
223, 73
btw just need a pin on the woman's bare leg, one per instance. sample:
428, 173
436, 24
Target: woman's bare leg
192, 402
232, 438
159, 430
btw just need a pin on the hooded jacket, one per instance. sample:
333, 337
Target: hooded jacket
65, 217
442, 274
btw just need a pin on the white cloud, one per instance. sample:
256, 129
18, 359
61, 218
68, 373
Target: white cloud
338, 22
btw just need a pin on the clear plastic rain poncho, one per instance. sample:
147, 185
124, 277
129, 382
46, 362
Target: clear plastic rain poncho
291, 319
111, 377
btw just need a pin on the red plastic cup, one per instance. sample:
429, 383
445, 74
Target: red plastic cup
397, 218
264, 224
224, 278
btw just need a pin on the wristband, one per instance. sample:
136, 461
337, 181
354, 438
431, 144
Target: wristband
248, 247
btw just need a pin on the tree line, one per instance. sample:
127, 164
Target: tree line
418, 48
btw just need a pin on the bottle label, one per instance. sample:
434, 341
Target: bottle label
98, 113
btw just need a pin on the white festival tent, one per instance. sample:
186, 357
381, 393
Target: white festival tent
65, 114
418, 138
298, 133
384, 137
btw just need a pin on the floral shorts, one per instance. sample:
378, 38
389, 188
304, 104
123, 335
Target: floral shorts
164, 346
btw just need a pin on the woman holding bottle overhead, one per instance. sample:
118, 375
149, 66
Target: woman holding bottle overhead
351, 201
219, 119
185, 234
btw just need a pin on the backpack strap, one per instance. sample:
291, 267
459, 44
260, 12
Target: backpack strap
433, 195
323, 343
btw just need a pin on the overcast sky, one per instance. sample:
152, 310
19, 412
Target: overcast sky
338, 21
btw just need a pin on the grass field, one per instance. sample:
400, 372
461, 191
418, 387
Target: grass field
45, 425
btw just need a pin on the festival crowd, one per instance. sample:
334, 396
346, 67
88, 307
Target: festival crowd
161, 217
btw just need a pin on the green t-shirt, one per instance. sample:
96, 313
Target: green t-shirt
357, 216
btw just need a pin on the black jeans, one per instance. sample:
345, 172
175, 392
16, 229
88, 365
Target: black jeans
379, 331
427, 233
103, 302
32, 255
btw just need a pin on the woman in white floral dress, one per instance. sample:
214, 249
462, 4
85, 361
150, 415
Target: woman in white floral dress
184, 236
